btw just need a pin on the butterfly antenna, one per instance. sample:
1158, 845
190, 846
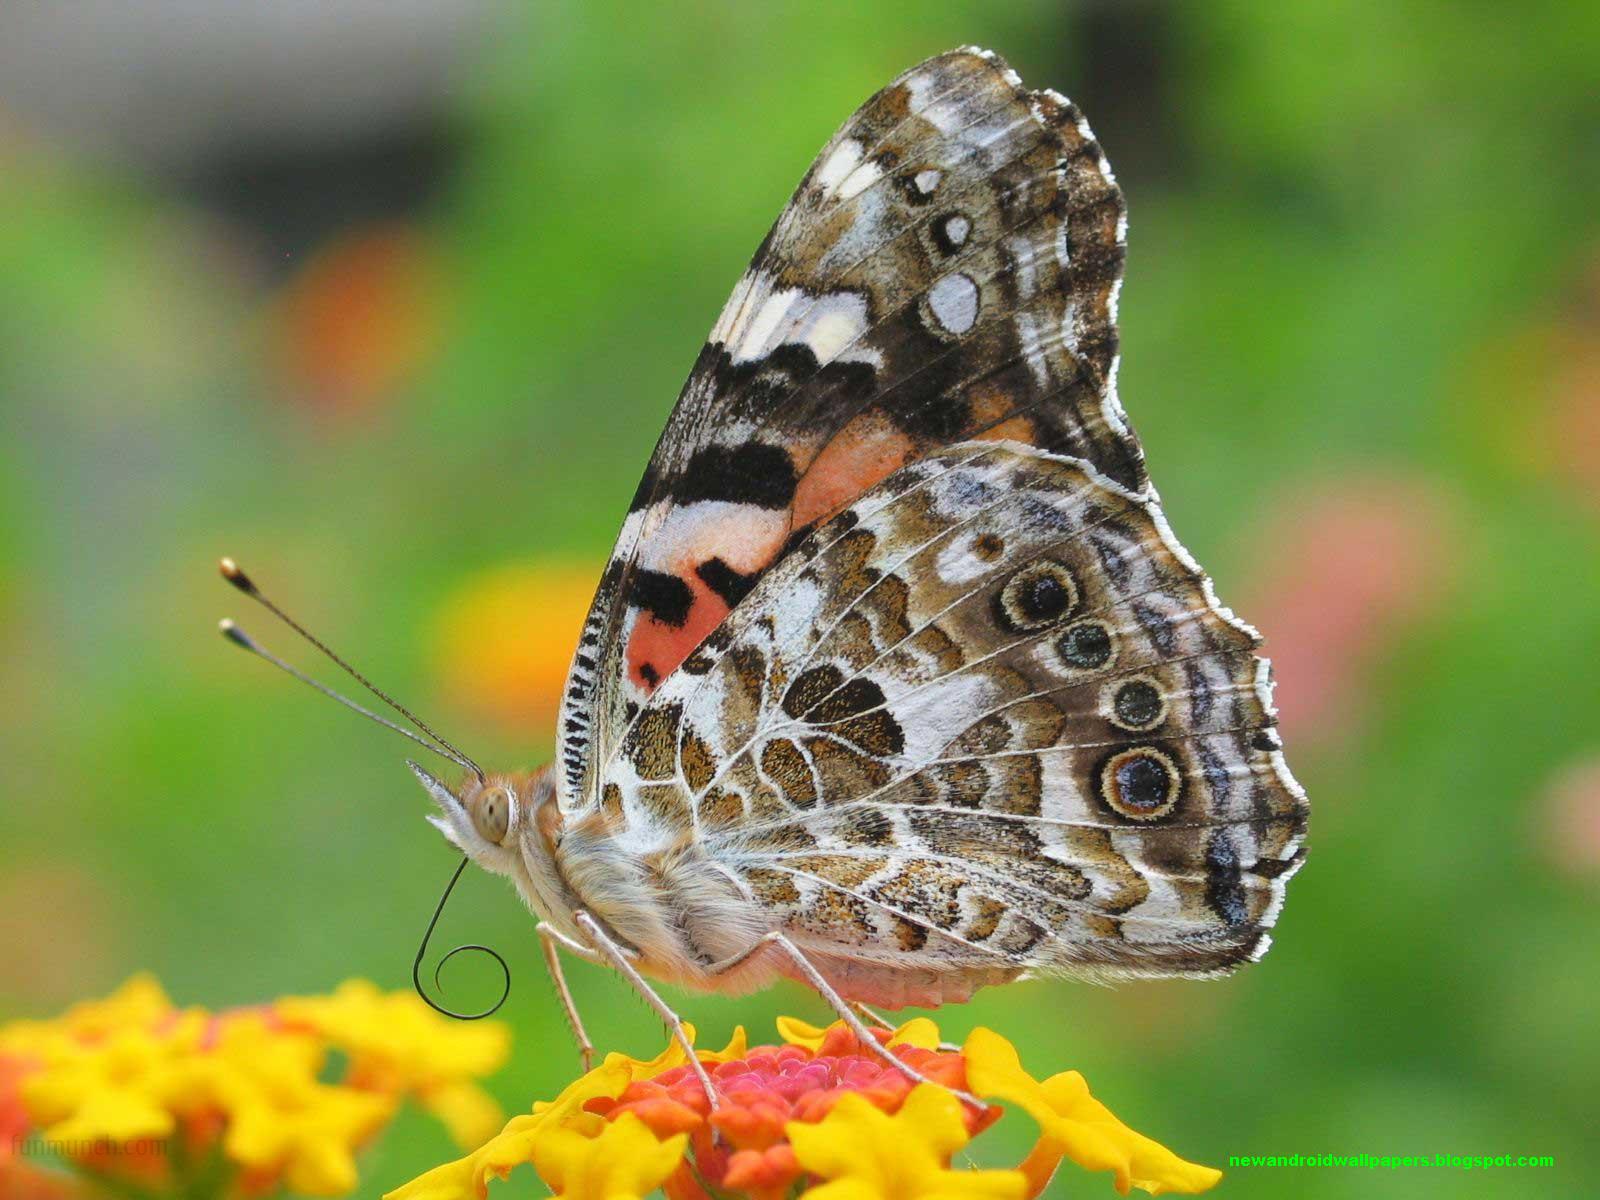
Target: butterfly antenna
245, 642
231, 572
422, 952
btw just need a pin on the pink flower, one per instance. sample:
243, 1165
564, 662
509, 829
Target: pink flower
1571, 816
1347, 568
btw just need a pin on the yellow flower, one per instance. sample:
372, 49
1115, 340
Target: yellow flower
138, 1003
796, 1032
282, 1120
623, 1160
307, 1134
544, 1137
398, 1045
822, 1113
117, 1088
866, 1154
468, 1178
1076, 1125
242, 1092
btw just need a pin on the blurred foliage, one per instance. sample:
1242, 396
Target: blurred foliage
1363, 267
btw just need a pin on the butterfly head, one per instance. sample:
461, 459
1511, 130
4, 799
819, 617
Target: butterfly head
484, 818
494, 820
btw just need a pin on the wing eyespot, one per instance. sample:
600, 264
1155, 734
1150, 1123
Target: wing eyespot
1136, 705
1036, 597
1142, 784
1087, 646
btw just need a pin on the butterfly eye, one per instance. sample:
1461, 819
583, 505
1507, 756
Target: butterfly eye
491, 814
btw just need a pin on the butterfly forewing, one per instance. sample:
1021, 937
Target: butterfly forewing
948, 269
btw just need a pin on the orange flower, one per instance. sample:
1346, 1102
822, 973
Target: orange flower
21, 1180
1554, 357
744, 1145
359, 319
14, 1123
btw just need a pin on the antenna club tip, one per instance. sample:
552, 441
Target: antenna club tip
232, 632
231, 572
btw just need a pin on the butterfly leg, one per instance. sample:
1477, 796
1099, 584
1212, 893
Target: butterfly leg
553, 941
612, 954
848, 1015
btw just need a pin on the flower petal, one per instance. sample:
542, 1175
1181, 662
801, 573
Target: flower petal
322, 1167
115, 1115
467, 1111
451, 1181
1074, 1124
672, 1056
140, 1001
920, 1032
623, 1160
738, 1046
864, 1152
468, 1178
796, 1032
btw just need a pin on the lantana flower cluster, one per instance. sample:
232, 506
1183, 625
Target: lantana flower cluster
148, 1099
820, 1115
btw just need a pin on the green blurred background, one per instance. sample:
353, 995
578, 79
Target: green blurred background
390, 300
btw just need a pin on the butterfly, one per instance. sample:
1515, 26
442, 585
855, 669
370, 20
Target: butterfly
897, 682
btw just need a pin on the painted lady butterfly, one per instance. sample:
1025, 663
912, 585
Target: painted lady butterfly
898, 682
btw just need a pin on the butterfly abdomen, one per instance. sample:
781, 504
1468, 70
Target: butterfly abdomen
679, 909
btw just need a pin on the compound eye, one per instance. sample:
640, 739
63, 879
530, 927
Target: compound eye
491, 814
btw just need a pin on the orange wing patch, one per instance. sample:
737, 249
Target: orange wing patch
867, 451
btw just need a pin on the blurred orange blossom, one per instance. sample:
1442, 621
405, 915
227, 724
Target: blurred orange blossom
359, 319
504, 639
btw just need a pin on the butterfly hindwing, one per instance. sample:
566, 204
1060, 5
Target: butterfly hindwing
947, 270
989, 718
